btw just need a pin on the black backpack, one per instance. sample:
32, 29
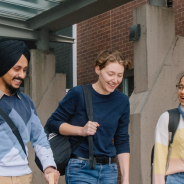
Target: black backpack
174, 118
60, 145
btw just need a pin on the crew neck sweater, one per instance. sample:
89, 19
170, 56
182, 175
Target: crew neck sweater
176, 162
13, 161
110, 111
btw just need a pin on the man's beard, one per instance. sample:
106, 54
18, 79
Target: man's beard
11, 89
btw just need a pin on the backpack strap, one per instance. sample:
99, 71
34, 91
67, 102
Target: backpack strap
89, 111
13, 128
174, 118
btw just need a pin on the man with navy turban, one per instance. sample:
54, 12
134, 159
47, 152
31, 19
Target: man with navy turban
14, 168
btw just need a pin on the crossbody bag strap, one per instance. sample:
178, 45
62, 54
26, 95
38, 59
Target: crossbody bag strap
89, 111
13, 128
174, 118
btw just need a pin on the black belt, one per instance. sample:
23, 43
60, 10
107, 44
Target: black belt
99, 160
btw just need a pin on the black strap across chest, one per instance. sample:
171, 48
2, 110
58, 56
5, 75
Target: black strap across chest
13, 128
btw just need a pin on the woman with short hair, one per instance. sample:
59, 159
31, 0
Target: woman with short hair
111, 120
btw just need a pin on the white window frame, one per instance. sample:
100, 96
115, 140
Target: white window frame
74, 35
74, 29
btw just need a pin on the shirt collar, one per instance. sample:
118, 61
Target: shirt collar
16, 93
1, 94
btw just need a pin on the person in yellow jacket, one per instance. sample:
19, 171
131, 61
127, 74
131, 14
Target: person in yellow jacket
174, 174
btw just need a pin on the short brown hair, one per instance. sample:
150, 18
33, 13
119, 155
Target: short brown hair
110, 56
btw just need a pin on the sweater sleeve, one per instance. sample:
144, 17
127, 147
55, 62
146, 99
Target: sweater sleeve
64, 111
39, 141
121, 137
161, 149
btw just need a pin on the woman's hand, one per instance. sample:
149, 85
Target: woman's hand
90, 128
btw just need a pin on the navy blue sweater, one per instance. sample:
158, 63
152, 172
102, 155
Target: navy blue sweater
110, 111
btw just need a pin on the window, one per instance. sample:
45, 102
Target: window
66, 57
128, 83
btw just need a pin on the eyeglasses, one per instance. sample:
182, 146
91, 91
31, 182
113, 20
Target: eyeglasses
180, 87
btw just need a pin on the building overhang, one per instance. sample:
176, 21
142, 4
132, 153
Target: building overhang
72, 12
23, 19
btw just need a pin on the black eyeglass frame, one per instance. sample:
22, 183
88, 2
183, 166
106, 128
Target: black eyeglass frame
179, 85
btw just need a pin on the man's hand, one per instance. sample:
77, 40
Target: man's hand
52, 170
90, 128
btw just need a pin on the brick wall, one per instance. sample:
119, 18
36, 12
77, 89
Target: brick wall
108, 30
111, 30
179, 16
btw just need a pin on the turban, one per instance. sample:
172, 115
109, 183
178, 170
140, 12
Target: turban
10, 53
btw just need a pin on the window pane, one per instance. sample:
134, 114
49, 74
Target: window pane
64, 57
125, 86
128, 85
